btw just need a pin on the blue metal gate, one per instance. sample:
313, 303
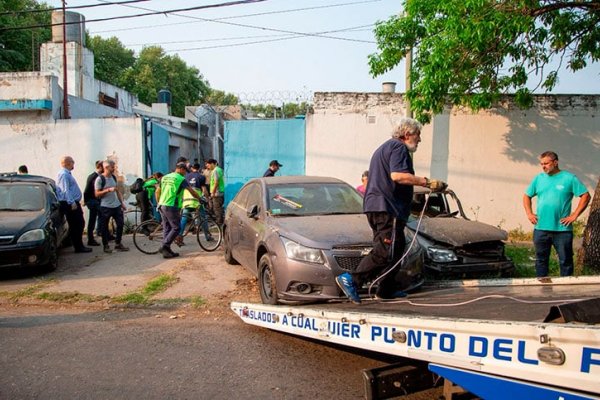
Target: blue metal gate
250, 145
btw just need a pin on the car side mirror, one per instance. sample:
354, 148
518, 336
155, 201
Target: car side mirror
252, 211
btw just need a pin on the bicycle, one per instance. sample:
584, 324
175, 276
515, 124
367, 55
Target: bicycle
148, 236
131, 219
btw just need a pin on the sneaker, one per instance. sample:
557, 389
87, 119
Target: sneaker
171, 252
120, 247
107, 249
210, 239
179, 241
345, 282
93, 243
398, 294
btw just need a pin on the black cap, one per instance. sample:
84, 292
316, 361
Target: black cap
275, 162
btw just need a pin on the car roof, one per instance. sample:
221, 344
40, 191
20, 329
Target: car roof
279, 180
14, 177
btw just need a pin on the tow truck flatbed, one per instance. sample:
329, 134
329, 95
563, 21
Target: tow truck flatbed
476, 331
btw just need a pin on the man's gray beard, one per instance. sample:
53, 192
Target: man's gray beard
411, 149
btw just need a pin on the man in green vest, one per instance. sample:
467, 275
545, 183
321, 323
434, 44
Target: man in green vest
170, 199
217, 189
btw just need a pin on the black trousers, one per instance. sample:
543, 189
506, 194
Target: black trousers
388, 247
94, 206
105, 215
76, 223
144, 205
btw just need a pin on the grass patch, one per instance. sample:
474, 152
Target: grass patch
197, 301
69, 297
524, 258
132, 298
156, 285
31, 290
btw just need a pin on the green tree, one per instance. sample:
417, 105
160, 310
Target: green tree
153, 70
220, 98
111, 59
19, 49
470, 52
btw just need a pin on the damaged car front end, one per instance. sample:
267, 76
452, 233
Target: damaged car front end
453, 244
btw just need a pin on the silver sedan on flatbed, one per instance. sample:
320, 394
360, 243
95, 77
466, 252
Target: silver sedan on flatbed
296, 233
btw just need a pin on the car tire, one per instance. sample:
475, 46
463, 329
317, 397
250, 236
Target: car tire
229, 259
53, 262
266, 281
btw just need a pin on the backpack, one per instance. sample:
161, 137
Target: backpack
103, 181
137, 186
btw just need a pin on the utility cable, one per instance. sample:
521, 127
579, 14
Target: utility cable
42, 10
217, 5
230, 17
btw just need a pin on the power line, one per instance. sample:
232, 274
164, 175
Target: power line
231, 3
230, 17
41, 10
283, 36
221, 21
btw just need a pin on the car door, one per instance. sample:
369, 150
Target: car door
236, 211
251, 224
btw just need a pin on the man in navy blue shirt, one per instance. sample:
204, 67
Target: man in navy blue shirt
387, 205
273, 167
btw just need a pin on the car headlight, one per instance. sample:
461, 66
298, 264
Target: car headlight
298, 252
32, 236
441, 255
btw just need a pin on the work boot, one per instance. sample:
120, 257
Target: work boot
345, 282
120, 247
172, 252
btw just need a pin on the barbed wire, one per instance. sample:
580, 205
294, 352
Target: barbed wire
275, 97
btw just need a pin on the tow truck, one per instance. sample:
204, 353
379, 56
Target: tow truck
497, 339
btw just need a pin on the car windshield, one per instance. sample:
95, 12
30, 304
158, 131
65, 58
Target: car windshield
21, 197
313, 199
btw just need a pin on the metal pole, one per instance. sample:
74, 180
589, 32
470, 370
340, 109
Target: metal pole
66, 114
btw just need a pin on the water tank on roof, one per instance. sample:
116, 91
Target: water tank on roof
164, 96
75, 27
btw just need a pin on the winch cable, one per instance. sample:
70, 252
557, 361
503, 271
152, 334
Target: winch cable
412, 243
491, 296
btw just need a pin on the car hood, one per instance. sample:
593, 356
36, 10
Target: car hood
14, 222
457, 231
325, 231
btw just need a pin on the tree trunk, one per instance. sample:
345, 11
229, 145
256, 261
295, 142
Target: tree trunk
589, 253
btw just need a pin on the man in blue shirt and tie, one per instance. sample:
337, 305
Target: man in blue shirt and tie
69, 196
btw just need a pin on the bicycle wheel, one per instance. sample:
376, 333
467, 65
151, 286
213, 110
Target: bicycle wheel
148, 237
209, 234
131, 218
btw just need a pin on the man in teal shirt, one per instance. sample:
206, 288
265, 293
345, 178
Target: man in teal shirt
553, 218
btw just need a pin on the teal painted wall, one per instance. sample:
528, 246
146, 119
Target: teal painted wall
250, 146
160, 150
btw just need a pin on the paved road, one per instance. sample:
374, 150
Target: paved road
127, 354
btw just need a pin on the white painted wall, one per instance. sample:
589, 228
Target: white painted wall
41, 145
487, 158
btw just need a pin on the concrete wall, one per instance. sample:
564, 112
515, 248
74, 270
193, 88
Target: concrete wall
488, 158
41, 145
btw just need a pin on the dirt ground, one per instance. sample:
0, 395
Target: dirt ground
202, 282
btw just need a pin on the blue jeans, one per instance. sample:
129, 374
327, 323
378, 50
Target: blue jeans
563, 244
188, 213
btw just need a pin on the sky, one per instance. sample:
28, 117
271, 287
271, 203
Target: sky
257, 58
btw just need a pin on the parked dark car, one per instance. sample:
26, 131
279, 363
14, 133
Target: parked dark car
453, 244
32, 227
296, 233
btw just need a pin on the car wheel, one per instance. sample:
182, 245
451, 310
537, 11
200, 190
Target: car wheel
53, 262
227, 249
266, 281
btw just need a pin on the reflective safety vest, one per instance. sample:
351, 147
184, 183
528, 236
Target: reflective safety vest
216, 179
170, 190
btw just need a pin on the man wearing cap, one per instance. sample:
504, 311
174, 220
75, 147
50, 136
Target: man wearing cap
273, 167
170, 195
